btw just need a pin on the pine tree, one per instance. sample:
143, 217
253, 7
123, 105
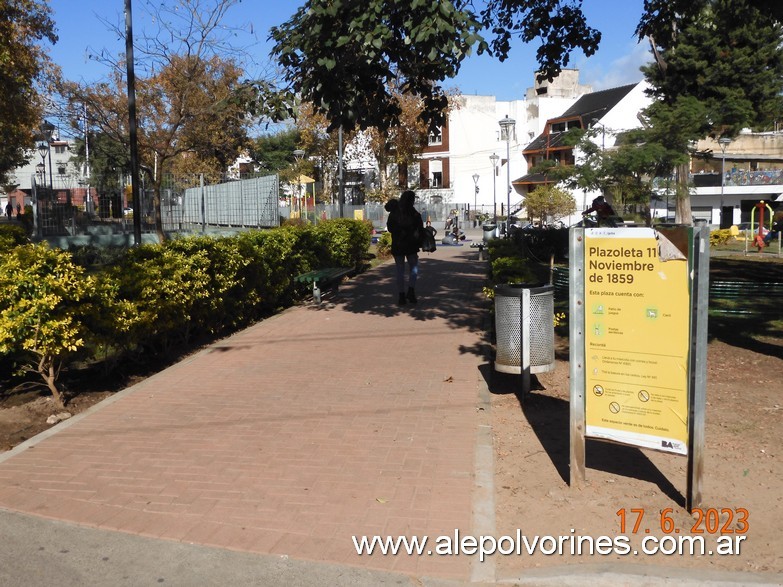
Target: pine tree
716, 72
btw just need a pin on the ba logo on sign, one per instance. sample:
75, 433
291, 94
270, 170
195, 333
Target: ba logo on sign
670, 444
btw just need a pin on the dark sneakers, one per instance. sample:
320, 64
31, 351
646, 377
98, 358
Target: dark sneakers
411, 295
402, 301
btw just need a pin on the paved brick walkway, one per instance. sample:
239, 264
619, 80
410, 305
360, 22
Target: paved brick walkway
358, 417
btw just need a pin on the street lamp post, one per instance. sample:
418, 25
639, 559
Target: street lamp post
506, 130
43, 151
494, 158
47, 131
298, 154
723, 142
475, 197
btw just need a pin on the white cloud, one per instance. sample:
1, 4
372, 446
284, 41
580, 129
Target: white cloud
603, 74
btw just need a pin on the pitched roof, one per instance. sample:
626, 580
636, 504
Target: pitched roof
588, 109
531, 178
591, 107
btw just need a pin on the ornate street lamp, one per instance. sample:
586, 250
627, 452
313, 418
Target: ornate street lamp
43, 151
45, 147
494, 158
40, 174
723, 142
507, 126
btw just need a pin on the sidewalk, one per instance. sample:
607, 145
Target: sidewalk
255, 461
358, 417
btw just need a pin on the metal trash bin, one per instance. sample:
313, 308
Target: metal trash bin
524, 329
490, 231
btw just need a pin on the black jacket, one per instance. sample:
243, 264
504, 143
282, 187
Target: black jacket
406, 227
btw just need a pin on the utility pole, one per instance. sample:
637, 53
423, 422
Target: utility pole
134, 147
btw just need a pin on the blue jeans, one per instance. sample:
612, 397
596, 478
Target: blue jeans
413, 263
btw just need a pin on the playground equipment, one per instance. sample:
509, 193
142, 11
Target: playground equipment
758, 238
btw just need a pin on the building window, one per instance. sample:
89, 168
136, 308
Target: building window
61, 170
60, 148
437, 179
436, 137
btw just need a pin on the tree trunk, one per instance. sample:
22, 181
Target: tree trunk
157, 212
47, 370
682, 213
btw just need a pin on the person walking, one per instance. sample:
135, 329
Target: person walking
9, 209
406, 226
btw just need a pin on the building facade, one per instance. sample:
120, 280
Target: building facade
456, 165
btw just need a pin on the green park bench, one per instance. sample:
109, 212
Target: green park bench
328, 276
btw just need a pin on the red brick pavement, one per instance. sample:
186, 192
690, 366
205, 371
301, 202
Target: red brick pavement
354, 418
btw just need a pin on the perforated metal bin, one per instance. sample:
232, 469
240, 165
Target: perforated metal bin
490, 231
524, 328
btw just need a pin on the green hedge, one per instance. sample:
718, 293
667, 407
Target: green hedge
508, 263
12, 235
154, 298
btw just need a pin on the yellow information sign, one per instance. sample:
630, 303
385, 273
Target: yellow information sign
637, 333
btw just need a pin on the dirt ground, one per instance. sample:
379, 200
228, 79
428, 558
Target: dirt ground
743, 469
24, 416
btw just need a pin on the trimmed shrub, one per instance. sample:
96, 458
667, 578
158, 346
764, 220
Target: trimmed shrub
345, 241
166, 288
45, 309
155, 297
512, 270
720, 237
222, 261
384, 245
508, 263
12, 235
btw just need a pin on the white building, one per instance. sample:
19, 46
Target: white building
53, 169
611, 112
463, 148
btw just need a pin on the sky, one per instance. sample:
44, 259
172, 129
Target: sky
82, 30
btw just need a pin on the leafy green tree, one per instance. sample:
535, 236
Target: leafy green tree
625, 172
549, 203
274, 152
718, 68
345, 57
25, 69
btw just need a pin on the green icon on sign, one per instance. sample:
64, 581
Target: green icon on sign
651, 313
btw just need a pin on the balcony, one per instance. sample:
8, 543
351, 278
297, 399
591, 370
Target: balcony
734, 178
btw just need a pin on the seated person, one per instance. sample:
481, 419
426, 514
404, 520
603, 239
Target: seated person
603, 210
777, 227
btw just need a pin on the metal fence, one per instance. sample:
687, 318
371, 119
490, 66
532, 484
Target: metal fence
246, 203
68, 206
